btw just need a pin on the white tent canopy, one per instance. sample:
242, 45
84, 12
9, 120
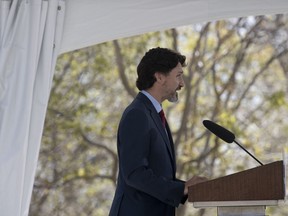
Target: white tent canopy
30, 40
90, 22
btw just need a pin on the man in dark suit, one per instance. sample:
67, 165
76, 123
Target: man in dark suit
147, 185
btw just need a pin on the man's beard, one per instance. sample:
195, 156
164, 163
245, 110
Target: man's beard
173, 98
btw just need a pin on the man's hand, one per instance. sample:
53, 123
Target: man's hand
194, 180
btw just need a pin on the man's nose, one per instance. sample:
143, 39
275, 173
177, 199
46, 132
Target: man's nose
182, 83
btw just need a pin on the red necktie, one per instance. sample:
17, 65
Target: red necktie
163, 119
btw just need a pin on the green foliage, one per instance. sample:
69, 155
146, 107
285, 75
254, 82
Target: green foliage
278, 100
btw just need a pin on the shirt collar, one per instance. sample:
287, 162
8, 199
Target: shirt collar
155, 103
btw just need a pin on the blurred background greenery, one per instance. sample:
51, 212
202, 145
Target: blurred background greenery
237, 76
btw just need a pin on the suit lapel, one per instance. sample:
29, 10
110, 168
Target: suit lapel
167, 137
156, 118
171, 145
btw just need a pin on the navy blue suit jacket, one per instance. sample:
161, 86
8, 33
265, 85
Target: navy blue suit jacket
146, 181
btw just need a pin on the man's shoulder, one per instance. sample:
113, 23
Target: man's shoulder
141, 101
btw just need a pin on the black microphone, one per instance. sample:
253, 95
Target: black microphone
225, 135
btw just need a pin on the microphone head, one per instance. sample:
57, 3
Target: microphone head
219, 131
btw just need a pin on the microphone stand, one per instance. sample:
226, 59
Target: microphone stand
248, 152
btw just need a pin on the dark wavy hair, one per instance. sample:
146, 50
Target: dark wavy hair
156, 60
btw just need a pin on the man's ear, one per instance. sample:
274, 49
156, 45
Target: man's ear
158, 77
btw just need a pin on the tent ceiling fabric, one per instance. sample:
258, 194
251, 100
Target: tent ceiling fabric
89, 22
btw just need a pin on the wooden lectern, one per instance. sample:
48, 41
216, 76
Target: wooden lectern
244, 193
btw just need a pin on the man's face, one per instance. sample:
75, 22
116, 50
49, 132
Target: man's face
173, 82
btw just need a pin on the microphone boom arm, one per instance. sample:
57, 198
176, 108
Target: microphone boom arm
248, 152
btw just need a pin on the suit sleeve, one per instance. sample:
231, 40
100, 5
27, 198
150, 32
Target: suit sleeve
184, 197
134, 146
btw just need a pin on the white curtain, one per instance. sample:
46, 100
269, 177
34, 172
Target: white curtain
30, 36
